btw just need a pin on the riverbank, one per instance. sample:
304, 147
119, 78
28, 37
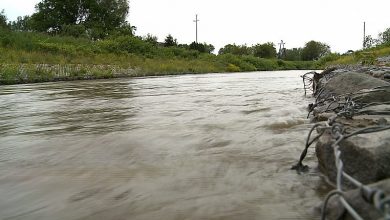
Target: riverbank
28, 57
37, 73
352, 130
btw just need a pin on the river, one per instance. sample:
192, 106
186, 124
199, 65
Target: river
210, 146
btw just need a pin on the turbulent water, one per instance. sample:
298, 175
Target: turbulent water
213, 146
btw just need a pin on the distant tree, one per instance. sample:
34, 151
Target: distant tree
384, 37
203, 48
151, 39
369, 41
235, 49
294, 54
170, 41
197, 46
99, 17
21, 24
266, 50
184, 46
125, 29
209, 48
314, 50
3, 20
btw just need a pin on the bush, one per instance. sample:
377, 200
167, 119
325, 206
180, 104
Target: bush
261, 64
328, 58
126, 44
74, 31
233, 68
237, 61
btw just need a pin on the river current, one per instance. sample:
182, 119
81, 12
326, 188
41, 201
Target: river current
212, 146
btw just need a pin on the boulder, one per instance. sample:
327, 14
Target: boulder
383, 60
366, 210
323, 116
366, 157
378, 74
348, 82
361, 86
378, 95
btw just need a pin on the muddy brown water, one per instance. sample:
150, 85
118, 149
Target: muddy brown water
213, 146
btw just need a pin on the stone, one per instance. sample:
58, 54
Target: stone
383, 60
366, 157
354, 197
349, 82
378, 74
323, 116
377, 95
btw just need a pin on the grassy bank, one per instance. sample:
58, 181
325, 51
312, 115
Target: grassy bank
364, 57
27, 57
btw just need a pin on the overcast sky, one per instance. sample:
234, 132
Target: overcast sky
338, 23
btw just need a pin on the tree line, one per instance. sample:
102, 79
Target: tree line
106, 19
101, 19
383, 38
312, 50
91, 19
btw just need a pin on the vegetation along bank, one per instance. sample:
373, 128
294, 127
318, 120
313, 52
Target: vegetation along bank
86, 42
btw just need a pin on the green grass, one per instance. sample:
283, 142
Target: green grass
364, 57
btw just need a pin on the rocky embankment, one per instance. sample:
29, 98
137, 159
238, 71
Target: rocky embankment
352, 133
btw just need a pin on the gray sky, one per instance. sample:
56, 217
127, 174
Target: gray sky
338, 23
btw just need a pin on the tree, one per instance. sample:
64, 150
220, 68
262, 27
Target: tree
385, 36
235, 49
266, 50
203, 48
196, 46
369, 41
314, 50
3, 20
209, 48
151, 39
99, 17
125, 29
21, 24
106, 16
293, 54
170, 41
51, 15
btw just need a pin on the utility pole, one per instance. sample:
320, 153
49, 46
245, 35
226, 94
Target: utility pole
196, 22
364, 35
281, 49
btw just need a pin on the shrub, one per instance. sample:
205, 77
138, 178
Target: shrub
74, 31
127, 44
328, 58
233, 68
261, 64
